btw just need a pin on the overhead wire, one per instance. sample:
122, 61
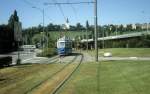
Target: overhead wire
66, 3
28, 3
74, 10
63, 14
60, 7
58, 4
61, 10
32, 5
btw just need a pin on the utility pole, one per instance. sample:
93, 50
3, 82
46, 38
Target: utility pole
42, 11
87, 27
87, 39
103, 38
43, 23
43, 28
95, 21
147, 26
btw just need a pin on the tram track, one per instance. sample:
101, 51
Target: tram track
53, 60
30, 91
68, 77
13, 76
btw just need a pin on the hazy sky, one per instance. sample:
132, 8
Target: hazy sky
109, 11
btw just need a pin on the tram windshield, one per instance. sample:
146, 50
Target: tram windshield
62, 44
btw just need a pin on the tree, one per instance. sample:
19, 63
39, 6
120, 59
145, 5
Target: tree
112, 28
72, 28
50, 27
121, 29
13, 18
37, 39
138, 27
87, 25
16, 18
129, 27
40, 28
79, 26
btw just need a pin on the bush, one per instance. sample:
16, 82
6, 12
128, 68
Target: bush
48, 52
18, 61
5, 61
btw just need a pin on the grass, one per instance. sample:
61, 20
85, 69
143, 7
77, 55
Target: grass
125, 52
48, 86
110, 77
48, 52
20, 79
72, 34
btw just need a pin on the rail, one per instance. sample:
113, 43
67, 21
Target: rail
67, 78
51, 76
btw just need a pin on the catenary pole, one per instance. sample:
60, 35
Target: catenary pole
95, 21
43, 27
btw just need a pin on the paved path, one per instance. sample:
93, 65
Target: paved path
23, 56
30, 57
91, 58
123, 58
88, 57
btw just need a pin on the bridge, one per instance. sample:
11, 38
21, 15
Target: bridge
123, 36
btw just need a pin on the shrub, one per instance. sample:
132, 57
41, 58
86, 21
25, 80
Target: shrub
5, 61
18, 61
48, 52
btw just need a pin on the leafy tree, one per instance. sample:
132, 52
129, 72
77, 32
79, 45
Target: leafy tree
79, 26
121, 29
37, 39
129, 27
13, 18
72, 28
50, 27
16, 18
138, 27
87, 25
40, 28
112, 28
7, 34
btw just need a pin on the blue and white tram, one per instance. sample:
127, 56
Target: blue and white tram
64, 46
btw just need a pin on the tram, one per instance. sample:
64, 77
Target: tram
64, 46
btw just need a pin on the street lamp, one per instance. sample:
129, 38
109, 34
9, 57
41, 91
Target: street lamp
42, 11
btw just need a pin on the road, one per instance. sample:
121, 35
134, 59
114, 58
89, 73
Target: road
30, 57
23, 55
123, 58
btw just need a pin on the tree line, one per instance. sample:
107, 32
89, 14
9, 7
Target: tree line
34, 33
7, 39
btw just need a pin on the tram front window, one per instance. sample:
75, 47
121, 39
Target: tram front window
62, 44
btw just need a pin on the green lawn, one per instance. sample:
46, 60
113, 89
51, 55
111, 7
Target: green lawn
20, 79
72, 34
125, 52
110, 77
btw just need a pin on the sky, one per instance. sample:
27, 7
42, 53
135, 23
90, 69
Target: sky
109, 12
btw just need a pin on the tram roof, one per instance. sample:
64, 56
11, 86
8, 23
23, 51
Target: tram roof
64, 38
